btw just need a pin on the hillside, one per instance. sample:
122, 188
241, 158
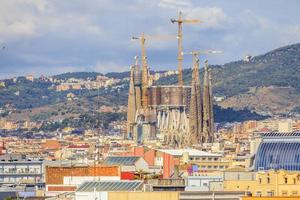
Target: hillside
244, 83
267, 84
38, 101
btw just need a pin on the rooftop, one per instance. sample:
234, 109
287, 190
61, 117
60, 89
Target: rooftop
191, 152
121, 160
281, 136
91, 186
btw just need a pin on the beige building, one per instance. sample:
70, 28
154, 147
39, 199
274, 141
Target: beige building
264, 183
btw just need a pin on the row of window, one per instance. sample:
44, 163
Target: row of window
268, 180
286, 193
283, 193
204, 158
24, 170
16, 179
213, 167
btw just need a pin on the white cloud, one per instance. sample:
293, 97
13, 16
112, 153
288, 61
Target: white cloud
174, 4
210, 17
77, 33
108, 66
34, 18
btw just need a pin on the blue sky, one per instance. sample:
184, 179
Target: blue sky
55, 36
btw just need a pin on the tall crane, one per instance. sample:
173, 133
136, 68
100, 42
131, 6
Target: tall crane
145, 78
196, 53
180, 21
145, 69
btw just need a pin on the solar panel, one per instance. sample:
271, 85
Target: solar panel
90, 186
120, 160
280, 134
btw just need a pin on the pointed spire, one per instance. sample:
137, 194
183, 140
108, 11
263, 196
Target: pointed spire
145, 73
131, 104
193, 118
208, 118
199, 104
206, 102
137, 83
212, 126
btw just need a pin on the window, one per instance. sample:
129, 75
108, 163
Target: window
294, 193
285, 180
203, 159
258, 193
216, 167
209, 167
284, 193
209, 159
215, 159
259, 180
294, 181
270, 193
268, 179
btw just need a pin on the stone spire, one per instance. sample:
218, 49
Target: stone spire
199, 104
195, 117
137, 84
145, 74
211, 108
208, 122
131, 104
206, 102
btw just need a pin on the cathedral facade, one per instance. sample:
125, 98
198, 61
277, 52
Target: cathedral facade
181, 116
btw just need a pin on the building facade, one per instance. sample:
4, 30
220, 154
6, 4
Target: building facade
278, 151
181, 115
18, 170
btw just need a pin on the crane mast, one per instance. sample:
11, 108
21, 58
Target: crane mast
180, 21
145, 77
180, 57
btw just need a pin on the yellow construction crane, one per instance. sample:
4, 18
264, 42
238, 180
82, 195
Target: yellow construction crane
196, 54
180, 21
145, 80
145, 70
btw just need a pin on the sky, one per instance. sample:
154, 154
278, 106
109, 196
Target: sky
53, 36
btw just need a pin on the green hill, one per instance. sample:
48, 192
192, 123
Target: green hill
278, 70
268, 84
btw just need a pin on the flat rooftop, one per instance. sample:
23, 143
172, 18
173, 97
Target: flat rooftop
191, 152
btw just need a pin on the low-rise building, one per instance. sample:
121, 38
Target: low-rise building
128, 163
92, 190
16, 169
66, 176
204, 182
264, 183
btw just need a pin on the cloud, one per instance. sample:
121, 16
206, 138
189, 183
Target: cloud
17, 20
110, 66
210, 17
174, 4
20, 20
44, 35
